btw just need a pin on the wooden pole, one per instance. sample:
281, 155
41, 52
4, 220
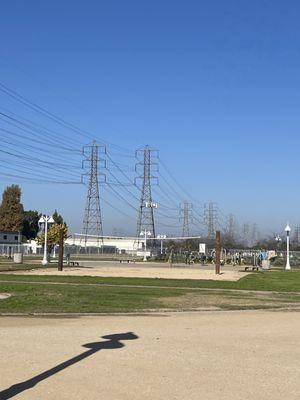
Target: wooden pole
61, 249
218, 252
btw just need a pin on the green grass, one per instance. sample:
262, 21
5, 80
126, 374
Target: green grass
89, 295
35, 298
280, 281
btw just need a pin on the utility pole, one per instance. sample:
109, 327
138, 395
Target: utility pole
92, 221
145, 219
210, 219
186, 217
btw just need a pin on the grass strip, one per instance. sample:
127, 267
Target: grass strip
280, 281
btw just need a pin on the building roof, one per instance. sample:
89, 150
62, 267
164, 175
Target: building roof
11, 232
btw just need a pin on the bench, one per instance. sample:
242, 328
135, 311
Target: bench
126, 260
73, 263
253, 267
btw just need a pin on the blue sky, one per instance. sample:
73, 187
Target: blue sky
214, 85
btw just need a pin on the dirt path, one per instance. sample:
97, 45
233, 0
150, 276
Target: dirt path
192, 356
137, 270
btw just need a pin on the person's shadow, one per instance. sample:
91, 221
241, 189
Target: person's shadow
111, 342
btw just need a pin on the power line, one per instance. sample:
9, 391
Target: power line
35, 130
43, 111
116, 208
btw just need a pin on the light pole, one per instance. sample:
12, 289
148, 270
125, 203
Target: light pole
288, 230
278, 240
145, 234
161, 237
46, 219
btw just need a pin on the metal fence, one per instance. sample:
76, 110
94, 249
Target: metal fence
250, 257
8, 250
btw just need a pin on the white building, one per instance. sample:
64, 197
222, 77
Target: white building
32, 247
10, 237
129, 245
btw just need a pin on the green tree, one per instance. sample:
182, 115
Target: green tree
30, 224
58, 219
53, 235
11, 209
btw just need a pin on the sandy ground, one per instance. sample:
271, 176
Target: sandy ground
140, 270
189, 356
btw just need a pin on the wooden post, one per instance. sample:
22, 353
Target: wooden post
61, 249
218, 252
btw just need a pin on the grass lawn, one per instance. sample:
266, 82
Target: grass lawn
28, 298
88, 294
281, 281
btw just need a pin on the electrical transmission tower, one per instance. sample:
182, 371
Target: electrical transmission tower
186, 217
92, 221
297, 236
145, 220
249, 234
232, 227
254, 234
211, 219
246, 234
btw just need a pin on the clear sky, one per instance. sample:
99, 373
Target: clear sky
214, 85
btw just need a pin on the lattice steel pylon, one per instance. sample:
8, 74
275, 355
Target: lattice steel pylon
211, 219
231, 227
296, 238
92, 220
145, 220
186, 217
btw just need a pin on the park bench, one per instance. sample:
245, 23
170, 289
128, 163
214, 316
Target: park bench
253, 267
126, 260
73, 263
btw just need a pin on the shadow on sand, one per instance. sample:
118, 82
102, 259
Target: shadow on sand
111, 342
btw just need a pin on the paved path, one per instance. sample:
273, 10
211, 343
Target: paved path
188, 356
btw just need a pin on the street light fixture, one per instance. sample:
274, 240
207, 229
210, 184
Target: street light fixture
288, 230
278, 240
145, 234
46, 219
151, 204
161, 237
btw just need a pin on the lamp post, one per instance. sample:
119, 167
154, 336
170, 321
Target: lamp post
277, 239
145, 234
46, 219
288, 230
161, 237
